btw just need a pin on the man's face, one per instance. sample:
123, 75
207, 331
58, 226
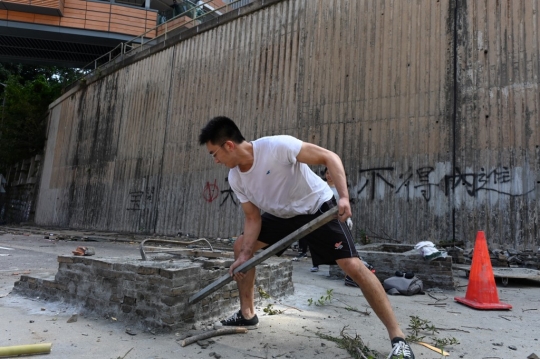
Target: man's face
221, 153
328, 176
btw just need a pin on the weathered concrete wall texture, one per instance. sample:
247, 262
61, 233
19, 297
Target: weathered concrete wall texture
375, 81
152, 293
18, 191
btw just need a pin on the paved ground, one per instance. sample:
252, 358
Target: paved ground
482, 334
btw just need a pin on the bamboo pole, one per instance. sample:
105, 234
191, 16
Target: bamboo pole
438, 350
28, 349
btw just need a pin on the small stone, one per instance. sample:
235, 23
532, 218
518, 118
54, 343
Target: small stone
513, 347
203, 343
498, 344
73, 318
45, 330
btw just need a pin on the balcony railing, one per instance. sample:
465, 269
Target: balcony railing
42, 7
193, 16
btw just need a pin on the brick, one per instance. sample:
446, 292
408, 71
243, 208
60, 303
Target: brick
177, 291
170, 301
116, 297
111, 281
60, 286
168, 320
129, 300
145, 313
82, 260
155, 280
102, 265
105, 273
125, 267
128, 284
147, 270
65, 259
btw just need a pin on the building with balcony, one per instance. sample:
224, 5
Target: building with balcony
73, 33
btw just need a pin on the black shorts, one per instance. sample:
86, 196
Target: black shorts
328, 243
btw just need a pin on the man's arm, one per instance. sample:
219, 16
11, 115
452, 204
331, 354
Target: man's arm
252, 228
314, 155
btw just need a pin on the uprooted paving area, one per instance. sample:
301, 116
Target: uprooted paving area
301, 330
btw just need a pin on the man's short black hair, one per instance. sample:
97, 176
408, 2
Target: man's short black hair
220, 129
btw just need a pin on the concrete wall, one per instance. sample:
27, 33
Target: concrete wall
433, 106
18, 191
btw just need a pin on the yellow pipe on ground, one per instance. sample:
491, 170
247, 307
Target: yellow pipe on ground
28, 349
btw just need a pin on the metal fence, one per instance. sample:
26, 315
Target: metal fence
197, 14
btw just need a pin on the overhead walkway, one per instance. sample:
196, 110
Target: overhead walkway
69, 32
84, 34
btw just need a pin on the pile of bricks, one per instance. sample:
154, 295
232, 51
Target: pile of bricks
389, 258
153, 293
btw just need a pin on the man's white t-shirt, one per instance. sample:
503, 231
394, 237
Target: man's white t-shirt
277, 183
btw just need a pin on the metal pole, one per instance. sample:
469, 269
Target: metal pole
283, 243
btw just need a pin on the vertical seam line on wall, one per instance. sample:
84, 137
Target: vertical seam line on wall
454, 119
167, 118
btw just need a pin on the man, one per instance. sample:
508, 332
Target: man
272, 174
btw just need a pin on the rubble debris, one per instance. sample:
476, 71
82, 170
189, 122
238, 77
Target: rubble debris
84, 251
499, 257
209, 334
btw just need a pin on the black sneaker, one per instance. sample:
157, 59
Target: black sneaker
350, 282
238, 320
400, 349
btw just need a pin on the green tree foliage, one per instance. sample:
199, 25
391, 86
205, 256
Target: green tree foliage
25, 101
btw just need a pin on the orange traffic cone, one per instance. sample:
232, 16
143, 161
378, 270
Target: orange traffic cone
481, 291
